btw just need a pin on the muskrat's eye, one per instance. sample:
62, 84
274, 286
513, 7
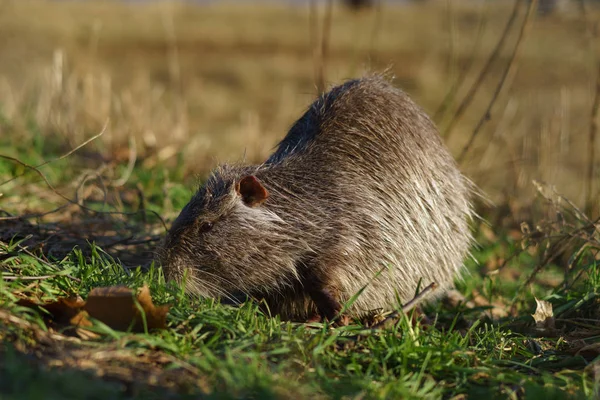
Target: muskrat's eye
205, 227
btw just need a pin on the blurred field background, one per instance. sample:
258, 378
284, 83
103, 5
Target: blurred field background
188, 85
111, 112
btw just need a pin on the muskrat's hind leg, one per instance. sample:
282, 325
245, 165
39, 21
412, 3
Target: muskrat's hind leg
322, 292
327, 303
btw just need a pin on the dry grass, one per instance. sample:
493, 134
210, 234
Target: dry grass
184, 87
213, 83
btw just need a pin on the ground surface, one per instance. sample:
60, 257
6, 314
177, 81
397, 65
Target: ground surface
177, 89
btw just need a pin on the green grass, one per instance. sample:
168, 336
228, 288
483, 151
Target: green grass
241, 353
218, 351
215, 92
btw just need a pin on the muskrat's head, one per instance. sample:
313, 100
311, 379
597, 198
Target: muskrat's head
227, 241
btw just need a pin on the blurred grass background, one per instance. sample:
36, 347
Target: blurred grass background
186, 85
193, 85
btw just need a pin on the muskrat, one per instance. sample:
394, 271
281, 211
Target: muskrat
360, 195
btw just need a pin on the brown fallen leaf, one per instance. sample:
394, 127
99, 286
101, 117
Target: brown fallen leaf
61, 311
64, 311
115, 306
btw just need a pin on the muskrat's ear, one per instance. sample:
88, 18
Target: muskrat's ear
253, 193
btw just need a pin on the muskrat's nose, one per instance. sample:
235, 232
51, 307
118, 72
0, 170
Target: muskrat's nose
172, 269
172, 238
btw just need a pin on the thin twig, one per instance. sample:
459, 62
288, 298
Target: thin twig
37, 171
69, 201
553, 251
41, 260
130, 164
9, 278
452, 39
509, 67
36, 167
377, 25
67, 154
321, 56
392, 318
463, 73
313, 33
326, 33
11, 217
39, 215
590, 199
470, 96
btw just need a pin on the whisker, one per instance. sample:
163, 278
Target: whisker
217, 276
215, 288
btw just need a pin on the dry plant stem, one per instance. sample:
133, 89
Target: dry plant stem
553, 252
452, 39
393, 317
86, 177
591, 200
37, 171
26, 278
313, 31
69, 201
36, 168
32, 215
509, 67
377, 23
67, 154
321, 51
513, 160
326, 32
470, 96
453, 90
57, 209
577, 213
41, 260
130, 164
173, 51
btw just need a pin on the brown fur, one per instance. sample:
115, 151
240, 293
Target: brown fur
360, 193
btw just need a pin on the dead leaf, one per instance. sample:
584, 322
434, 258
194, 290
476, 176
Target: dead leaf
480, 376
544, 318
61, 311
156, 317
81, 319
115, 306
543, 313
64, 311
